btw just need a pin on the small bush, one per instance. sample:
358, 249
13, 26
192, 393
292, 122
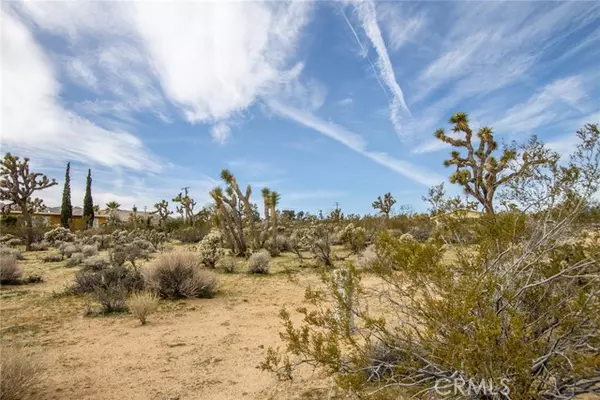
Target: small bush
227, 264
76, 259
6, 238
14, 242
142, 304
258, 263
67, 249
19, 373
89, 250
10, 271
59, 234
112, 298
88, 281
7, 251
178, 275
40, 246
95, 263
52, 258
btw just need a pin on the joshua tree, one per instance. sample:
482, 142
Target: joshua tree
244, 198
479, 172
266, 193
274, 198
88, 203
18, 185
66, 209
384, 205
229, 218
187, 204
162, 208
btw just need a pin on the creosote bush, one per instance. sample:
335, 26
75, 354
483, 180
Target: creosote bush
142, 304
52, 258
227, 264
95, 263
8, 251
10, 271
74, 260
40, 246
518, 309
19, 373
258, 263
89, 250
89, 281
179, 275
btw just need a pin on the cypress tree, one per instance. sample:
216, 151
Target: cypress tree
88, 203
66, 209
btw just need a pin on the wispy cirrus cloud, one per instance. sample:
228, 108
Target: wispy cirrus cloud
35, 120
357, 143
385, 75
559, 99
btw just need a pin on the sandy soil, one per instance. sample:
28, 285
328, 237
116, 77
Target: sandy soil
192, 349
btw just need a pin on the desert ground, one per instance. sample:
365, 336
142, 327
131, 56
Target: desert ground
189, 349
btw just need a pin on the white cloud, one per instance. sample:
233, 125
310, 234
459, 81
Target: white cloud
552, 103
220, 133
398, 108
430, 146
490, 45
357, 143
34, 120
401, 27
347, 101
210, 60
231, 52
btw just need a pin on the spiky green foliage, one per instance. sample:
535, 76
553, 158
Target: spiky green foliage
88, 202
478, 171
112, 207
518, 308
385, 204
186, 206
66, 209
162, 208
18, 185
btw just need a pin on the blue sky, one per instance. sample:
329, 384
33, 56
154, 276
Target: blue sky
324, 102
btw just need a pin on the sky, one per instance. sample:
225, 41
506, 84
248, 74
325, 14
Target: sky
324, 102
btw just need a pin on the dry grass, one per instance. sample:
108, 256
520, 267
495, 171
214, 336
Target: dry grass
192, 348
19, 373
142, 304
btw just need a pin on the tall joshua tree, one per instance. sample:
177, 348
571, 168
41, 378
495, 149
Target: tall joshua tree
244, 198
66, 209
187, 206
88, 203
266, 194
478, 171
18, 184
384, 205
274, 198
162, 208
